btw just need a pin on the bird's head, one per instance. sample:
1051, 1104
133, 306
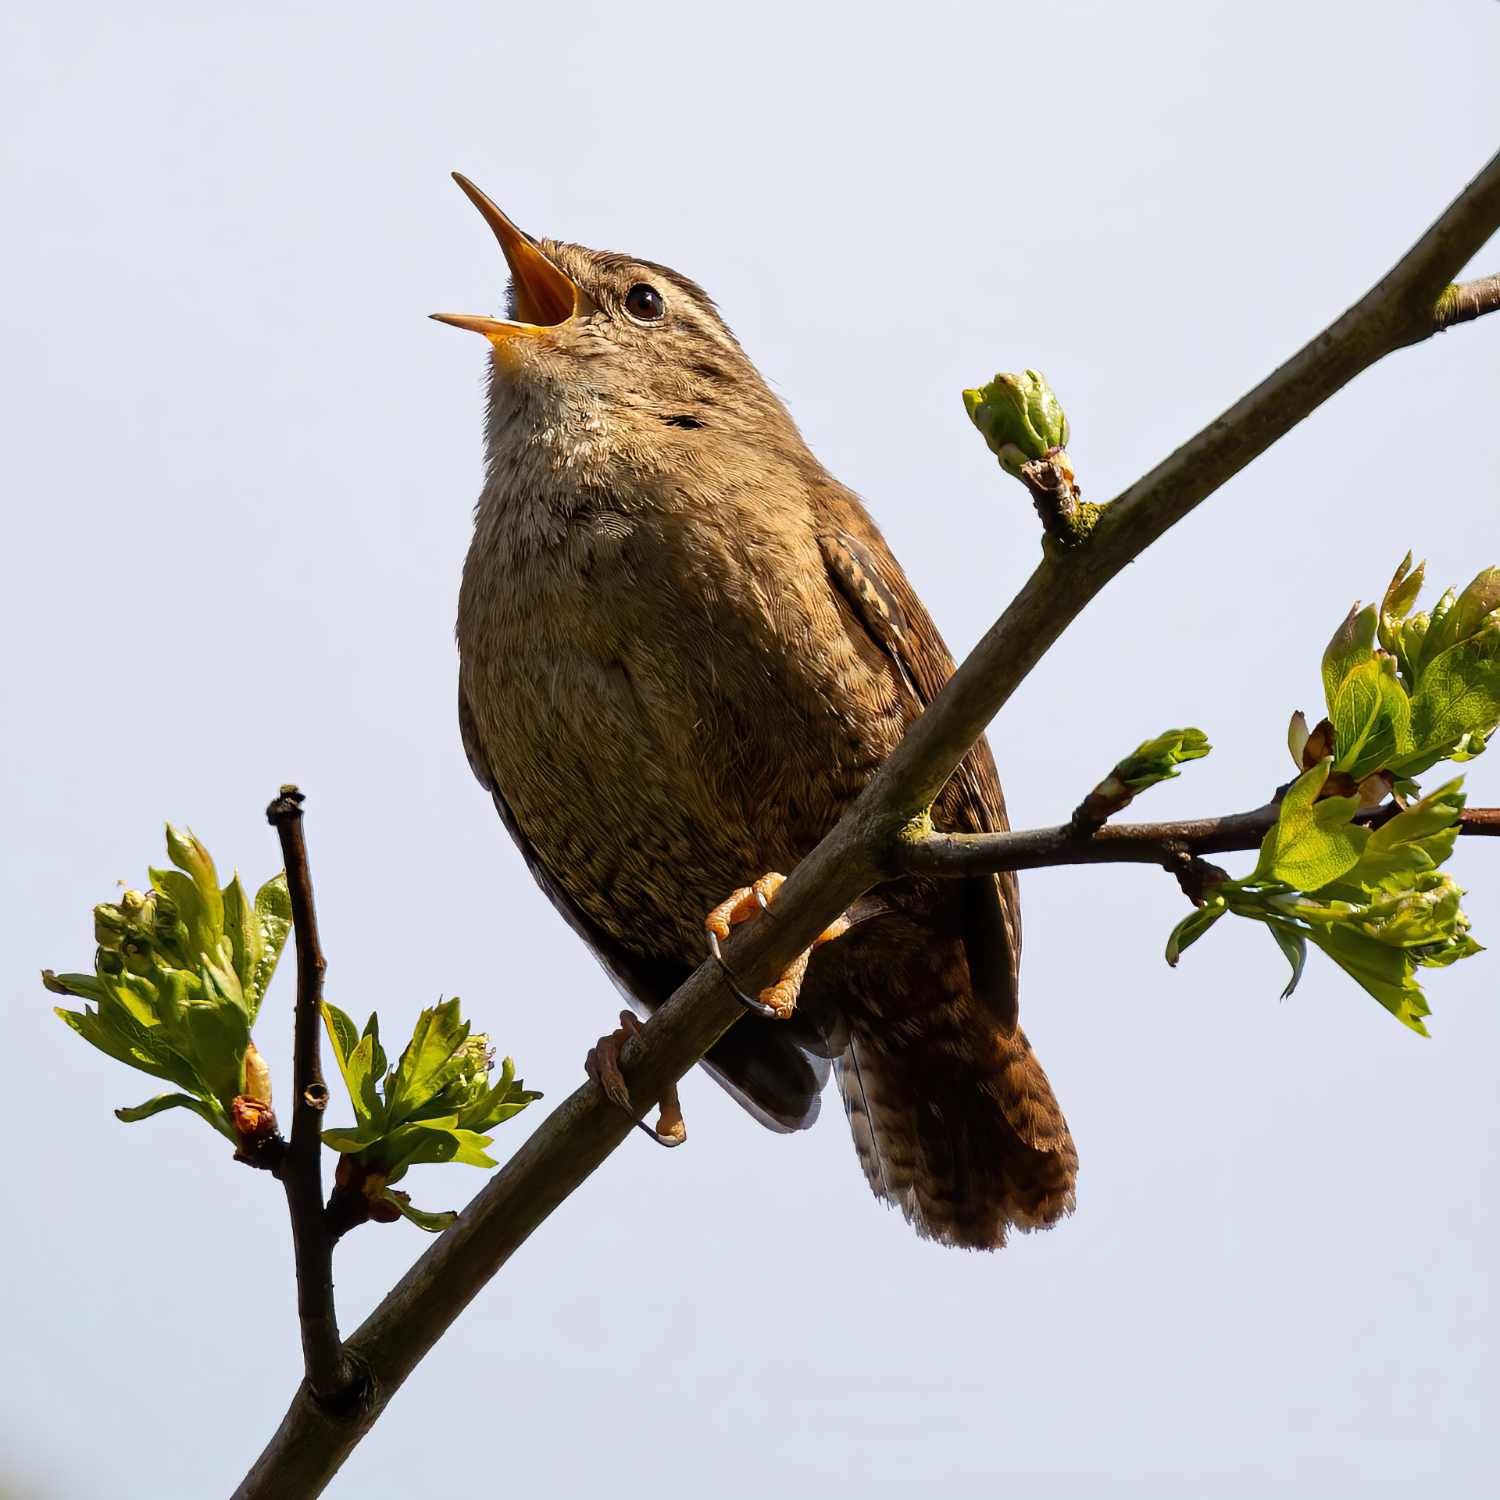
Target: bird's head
597, 348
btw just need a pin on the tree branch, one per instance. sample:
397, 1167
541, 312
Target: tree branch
1467, 301
951, 855
862, 850
329, 1373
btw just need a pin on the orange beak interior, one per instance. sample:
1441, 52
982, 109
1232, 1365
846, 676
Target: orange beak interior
545, 297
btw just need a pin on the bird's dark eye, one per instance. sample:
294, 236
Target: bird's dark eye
644, 302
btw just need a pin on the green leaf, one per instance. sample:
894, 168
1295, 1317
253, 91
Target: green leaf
362, 1063
81, 986
506, 1098
367, 1068
201, 1107
1402, 592
1353, 644
1413, 638
117, 1032
242, 928
1448, 953
350, 1142
1383, 971
413, 1144
1191, 928
273, 906
1294, 945
1396, 606
424, 1141
1459, 616
432, 1223
429, 1061
1458, 694
184, 901
342, 1034
1437, 634
1418, 839
1371, 719
1312, 843
217, 1038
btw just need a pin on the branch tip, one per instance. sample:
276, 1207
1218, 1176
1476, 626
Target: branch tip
327, 1366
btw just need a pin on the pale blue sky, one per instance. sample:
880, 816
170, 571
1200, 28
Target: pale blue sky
239, 475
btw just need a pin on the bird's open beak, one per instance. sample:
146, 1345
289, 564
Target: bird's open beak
544, 296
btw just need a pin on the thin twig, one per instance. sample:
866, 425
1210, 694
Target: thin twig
329, 1372
575, 1138
957, 854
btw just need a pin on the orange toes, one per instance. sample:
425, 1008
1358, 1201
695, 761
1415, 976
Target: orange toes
835, 929
603, 1065
782, 996
780, 999
743, 904
603, 1061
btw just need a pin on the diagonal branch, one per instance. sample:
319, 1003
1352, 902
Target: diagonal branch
862, 850
328, 1371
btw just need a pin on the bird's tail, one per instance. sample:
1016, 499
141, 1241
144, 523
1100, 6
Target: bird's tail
965, 1153
954, 1121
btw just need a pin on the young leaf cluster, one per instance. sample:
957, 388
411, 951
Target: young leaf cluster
1375, 900
1429, 692
179, 975
431, 1107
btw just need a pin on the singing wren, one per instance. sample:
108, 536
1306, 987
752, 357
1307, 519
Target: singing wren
684, 648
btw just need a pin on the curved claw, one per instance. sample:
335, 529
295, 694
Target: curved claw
621, 1100
754, 1006
661, 1140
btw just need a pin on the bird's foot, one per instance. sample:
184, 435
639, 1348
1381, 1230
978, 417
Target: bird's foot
603, 1065
780, 1000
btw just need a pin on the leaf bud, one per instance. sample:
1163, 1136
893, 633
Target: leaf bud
1019, 417
1296, 739
254, 1119
257, 1076
189, 855
1318, 745
111, 925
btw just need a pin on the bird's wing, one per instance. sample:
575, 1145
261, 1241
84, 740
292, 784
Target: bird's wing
883, 602
763, 1070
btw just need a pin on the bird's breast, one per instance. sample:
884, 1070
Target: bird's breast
668, 697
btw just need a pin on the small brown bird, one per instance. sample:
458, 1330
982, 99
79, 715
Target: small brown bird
684, 648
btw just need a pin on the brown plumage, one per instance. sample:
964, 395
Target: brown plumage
684, 649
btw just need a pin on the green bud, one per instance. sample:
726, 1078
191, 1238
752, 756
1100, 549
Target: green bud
189, 855
1425, 914
1019, 418
111, 925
